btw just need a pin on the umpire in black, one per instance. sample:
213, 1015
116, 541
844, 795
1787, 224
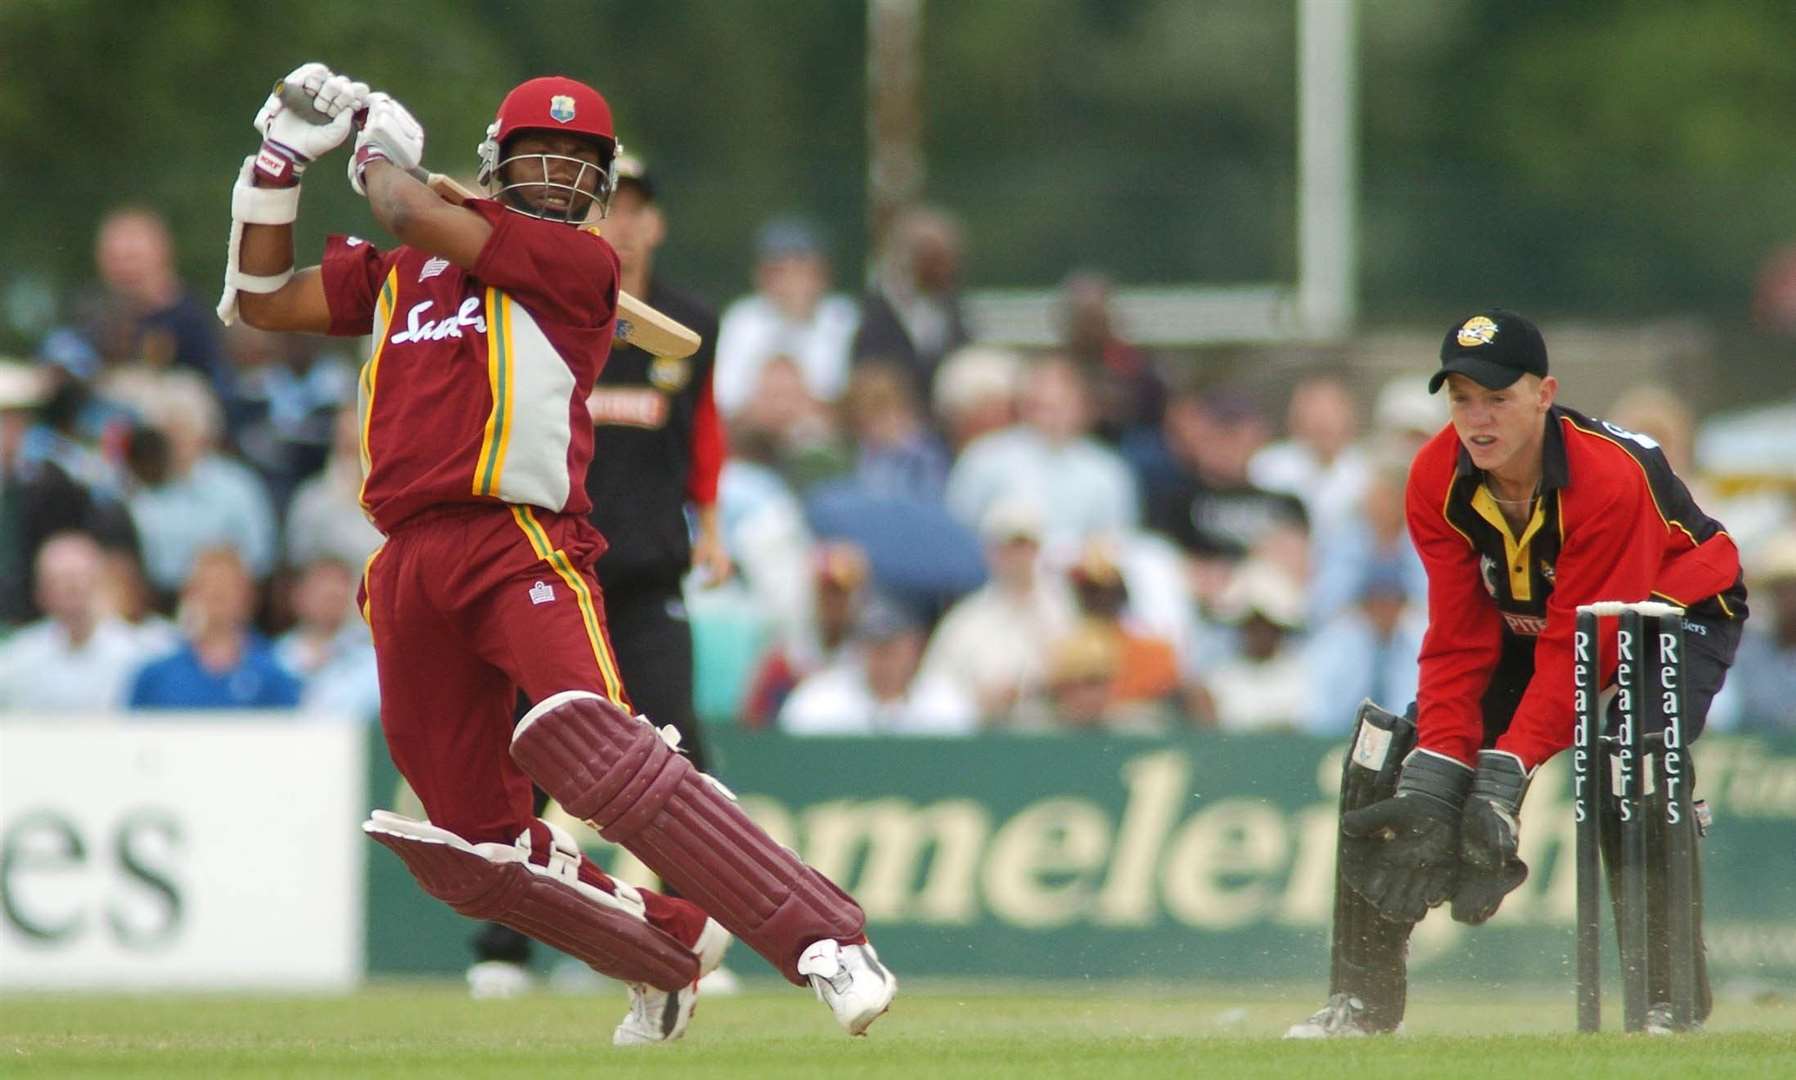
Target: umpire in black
658, 447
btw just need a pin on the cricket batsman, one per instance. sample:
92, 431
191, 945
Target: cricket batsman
1522, 510
490, 322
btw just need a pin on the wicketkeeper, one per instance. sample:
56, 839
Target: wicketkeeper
1521, 510
489, 325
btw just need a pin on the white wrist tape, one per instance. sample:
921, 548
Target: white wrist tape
264, 206
251, 205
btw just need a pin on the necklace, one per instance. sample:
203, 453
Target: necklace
1529, 501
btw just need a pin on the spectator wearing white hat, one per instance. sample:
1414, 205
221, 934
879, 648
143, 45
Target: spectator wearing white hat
993, 644
875, 689
976, 392
1405, 415
1261, 687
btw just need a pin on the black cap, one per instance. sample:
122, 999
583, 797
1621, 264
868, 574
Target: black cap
631, 170
1492, 348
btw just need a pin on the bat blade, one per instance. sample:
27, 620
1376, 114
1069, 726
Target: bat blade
638, 324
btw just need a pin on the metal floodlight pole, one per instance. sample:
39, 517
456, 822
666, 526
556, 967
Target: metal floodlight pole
895, 168
1327, 168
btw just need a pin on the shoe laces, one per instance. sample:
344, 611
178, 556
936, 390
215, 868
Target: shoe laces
841, 980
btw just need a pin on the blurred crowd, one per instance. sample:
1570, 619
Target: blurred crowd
932, 534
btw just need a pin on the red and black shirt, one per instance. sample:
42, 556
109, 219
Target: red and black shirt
1612, 522
658, 445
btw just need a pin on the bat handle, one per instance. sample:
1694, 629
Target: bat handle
295, 98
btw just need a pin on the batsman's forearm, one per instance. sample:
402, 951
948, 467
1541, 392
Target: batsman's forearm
267, 249
396, 198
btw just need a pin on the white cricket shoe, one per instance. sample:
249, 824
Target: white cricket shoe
495, 980
720, 983
661, 1016
1659, 1021
851, 981
1342, 1017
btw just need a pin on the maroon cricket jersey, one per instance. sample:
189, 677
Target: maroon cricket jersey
476, 387
1612, 522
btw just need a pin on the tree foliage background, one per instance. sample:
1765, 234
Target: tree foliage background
1616, 158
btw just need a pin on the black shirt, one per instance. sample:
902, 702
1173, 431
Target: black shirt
653, 424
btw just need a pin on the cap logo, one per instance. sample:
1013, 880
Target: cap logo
1477, 331
561, 108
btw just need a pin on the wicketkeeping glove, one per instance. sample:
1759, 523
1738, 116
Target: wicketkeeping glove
1489, 868
290, 140
1402, 853
388, 133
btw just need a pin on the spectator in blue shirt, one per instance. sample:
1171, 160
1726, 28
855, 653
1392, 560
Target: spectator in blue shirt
221, 663
1762, 682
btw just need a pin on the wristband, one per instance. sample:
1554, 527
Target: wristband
365, 154
280, 165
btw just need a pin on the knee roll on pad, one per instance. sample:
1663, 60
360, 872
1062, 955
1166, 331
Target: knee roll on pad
616, 771
541, 897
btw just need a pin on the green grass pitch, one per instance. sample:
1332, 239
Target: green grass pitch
935, 1030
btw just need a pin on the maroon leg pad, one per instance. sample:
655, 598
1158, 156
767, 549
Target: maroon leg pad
613, 942
607, 767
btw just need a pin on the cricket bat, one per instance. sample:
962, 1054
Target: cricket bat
638, 324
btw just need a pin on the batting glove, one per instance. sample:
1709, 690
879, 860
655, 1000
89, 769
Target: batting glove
291, 137
389, 133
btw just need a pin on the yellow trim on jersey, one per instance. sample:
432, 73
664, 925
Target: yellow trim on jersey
389, 291
589, 612
368, 589
489, 468
1515, 552
1645, 478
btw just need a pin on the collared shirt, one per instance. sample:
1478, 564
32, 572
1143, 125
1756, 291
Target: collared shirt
1612, 522
43, 672
838, 701
754, 331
